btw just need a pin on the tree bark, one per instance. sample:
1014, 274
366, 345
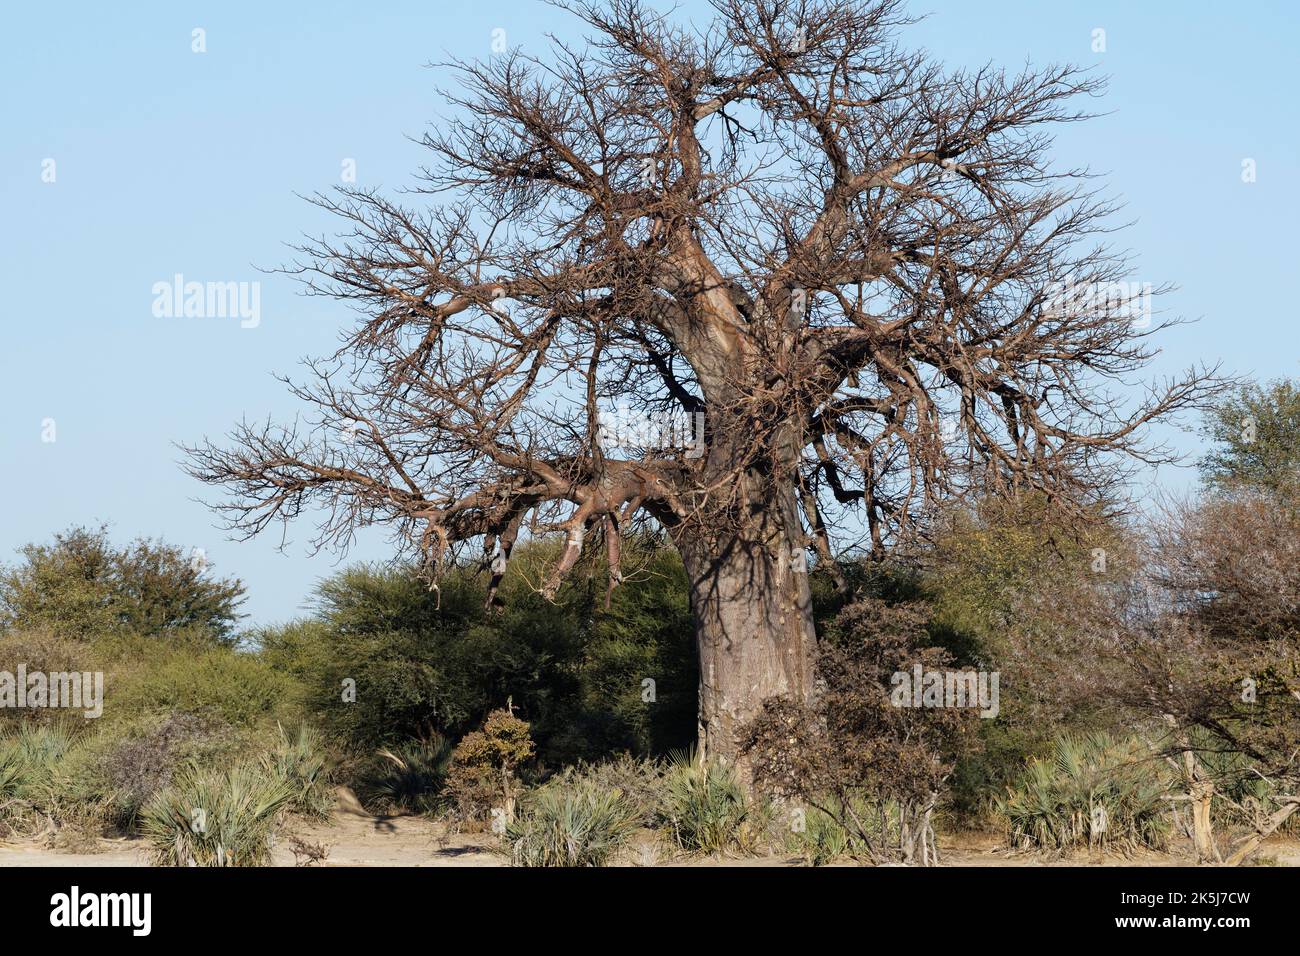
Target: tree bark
1200, 793
1202, 796
752, 609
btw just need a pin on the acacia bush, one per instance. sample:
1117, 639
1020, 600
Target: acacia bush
1254, 435
81, 586
1016, 587
637, 675
42, 650
416, 659
234, 687
438, 662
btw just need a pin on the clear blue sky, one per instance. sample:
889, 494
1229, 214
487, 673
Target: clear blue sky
168, 161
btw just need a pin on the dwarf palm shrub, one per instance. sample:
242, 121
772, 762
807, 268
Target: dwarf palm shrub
1093, 791
11, 773
819, 832
410, 777
30, 760
40, 748
216, 817
639, 779
706, 808
301, 763
821, 838
571, 823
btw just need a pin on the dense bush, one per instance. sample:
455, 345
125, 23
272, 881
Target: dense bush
81, 586
852, 745
427, 662
188, 700
125, 764
639, 780
409, 653
237, 688
644, 636
42, 650
1013, 587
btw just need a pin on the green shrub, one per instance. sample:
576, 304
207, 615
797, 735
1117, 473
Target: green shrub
707, 809
237, 688
216, 817
1094, 791
30, 757
574, 822
80, 586
12, 770
822, 838
437, 662
1265, 457
424, 661
646, 632
382, 629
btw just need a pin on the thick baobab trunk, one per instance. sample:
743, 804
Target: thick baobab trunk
753, 624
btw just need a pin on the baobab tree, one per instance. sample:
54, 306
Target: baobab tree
853, 266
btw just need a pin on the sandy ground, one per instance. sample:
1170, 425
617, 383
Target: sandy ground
416, 842
354, 838
349, 839
984, 849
